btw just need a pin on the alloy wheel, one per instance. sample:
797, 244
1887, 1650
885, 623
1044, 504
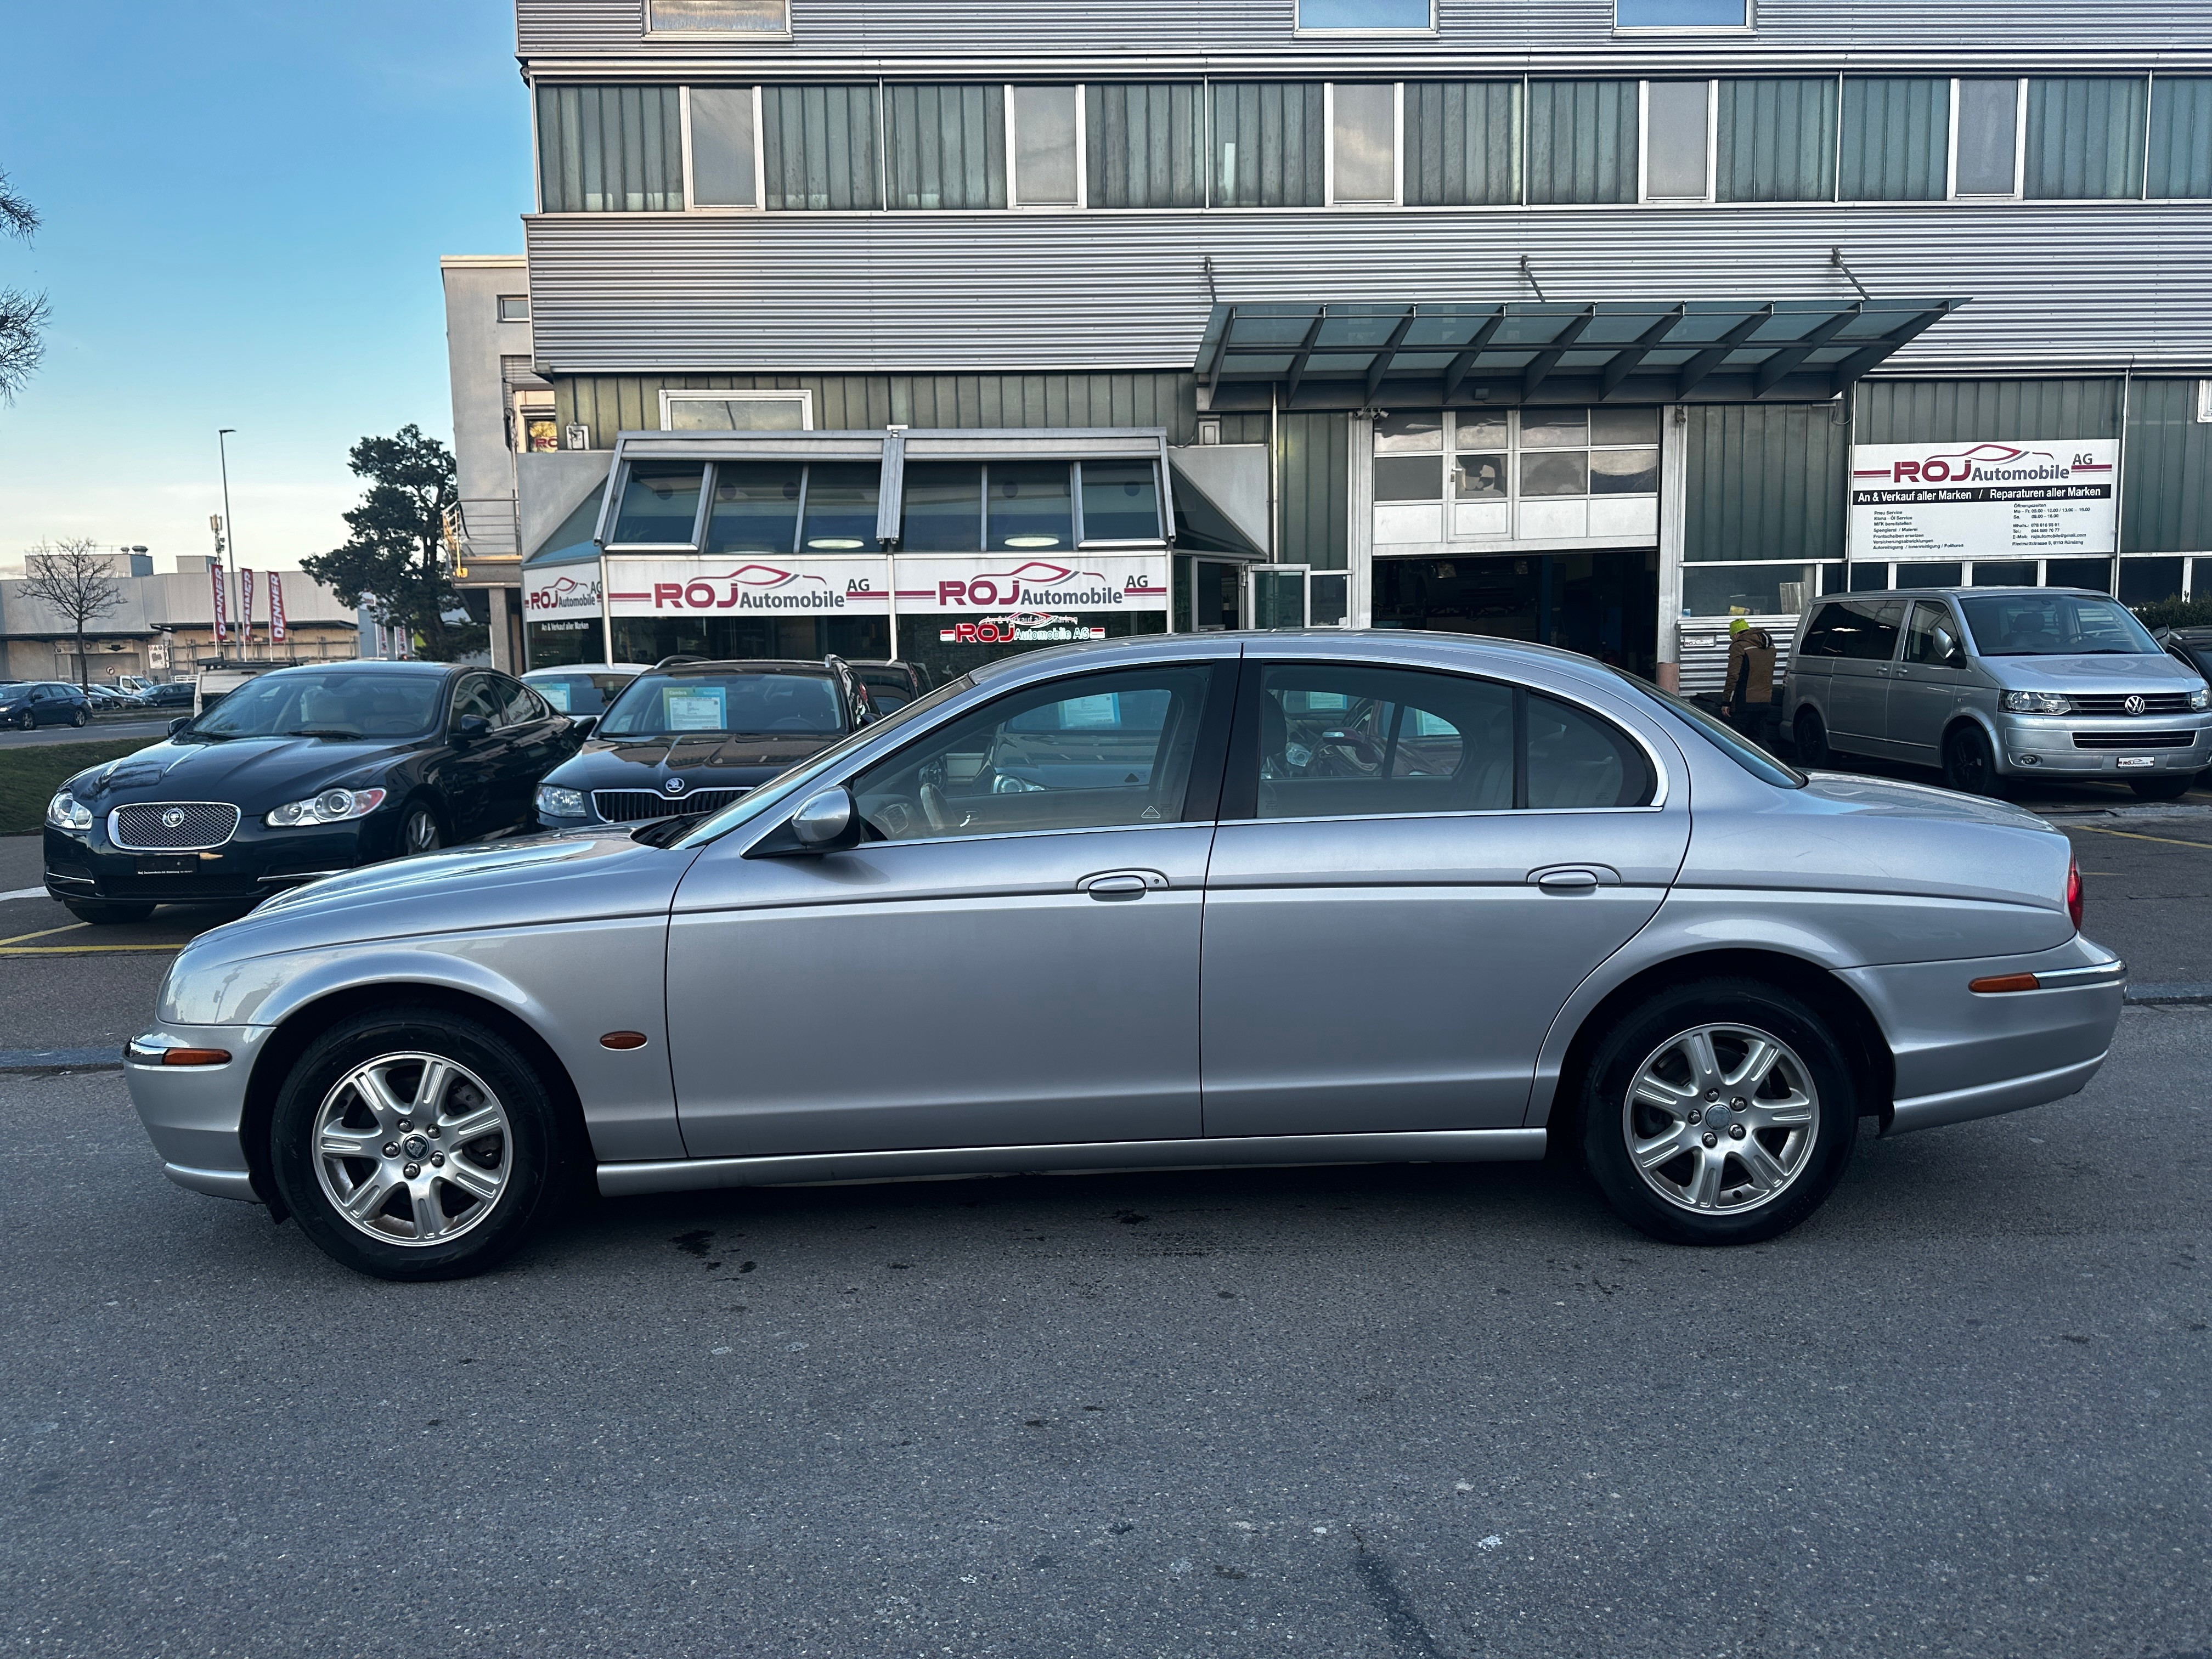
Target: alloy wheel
420, 832
1721, 1119
412, 1149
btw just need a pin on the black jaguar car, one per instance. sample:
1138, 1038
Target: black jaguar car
299, 774
691, 737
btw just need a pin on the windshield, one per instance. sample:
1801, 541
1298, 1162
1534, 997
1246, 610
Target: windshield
326, 702
731, 704
14, 688
576, 692
2053, 625
747, 807
1725, 737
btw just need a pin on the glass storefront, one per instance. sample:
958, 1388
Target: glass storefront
649, 638
1516, 475
1603, 603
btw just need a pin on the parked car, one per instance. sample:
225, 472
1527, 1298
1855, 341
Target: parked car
892, 684
111, 699
175, 693
2190, 646
691, 736
1997, 683
584, 688
25, 704
212, 685
1460, 898
303, 772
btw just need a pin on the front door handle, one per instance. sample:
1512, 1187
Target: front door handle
1574, 877
1112, 885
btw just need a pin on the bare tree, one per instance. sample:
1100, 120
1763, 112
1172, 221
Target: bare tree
76, 581
22, 315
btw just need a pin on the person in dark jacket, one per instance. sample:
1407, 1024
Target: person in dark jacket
1747, 694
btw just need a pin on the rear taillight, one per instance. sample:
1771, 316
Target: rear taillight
2073, 891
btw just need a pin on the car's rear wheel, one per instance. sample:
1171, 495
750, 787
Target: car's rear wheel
80, 715
2173, 786
106, 914
1722, 1112
415, 1143
1969, 765
1811, 737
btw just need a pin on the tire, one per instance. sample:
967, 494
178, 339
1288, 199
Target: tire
1802, 1117
79, 717
1969, 765
1811, 737
2173, 786
420, 830
518, 1164
26, 721
104, 914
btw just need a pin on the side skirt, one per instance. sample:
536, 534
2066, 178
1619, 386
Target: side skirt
1437, 1146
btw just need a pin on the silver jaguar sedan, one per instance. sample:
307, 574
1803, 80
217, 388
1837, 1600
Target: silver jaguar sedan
1221, 899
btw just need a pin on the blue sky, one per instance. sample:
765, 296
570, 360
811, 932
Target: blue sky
245, 203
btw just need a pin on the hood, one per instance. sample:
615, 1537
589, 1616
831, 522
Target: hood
568, 875
2091, 675
703, 762
254, 773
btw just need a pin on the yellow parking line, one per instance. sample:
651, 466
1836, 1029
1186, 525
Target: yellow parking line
2163, 841
67, 928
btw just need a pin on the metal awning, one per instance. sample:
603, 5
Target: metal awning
1434, 355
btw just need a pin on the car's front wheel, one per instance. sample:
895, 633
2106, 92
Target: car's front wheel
1722, 1112
25, 721
415, 1143
420, 830
1969, 764
2173, 786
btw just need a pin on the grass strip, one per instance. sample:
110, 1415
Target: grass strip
30, 774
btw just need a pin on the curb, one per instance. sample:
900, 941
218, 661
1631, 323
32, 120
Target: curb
48, 1062
2180, 995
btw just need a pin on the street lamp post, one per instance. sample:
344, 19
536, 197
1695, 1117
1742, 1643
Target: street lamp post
230, 523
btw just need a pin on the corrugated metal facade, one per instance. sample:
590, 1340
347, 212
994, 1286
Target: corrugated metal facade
1463, 143
2085, 137
1316, 485
2078, 287
2181, 136
947, 146
1581, 141
1250, 32
1896, 139
610, 149
821, 147
2167, 504
1268, 145
1961, 411
1148, 145
1763, 483
1775, 141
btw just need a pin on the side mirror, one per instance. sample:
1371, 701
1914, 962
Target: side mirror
179, 724
470, 728
827, 821
583, 725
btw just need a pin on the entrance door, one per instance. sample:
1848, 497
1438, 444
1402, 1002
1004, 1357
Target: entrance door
1275, 595
1383, 951
1012, 959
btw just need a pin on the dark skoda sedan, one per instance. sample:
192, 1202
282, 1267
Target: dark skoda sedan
300, 773
692, 737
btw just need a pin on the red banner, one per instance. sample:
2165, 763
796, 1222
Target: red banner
275, 608
222, 602
246, 604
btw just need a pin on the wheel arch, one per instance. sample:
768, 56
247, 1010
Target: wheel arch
296, 1032
1865, 1048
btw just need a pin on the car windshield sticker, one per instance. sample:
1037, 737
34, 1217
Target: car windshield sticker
1091, 711
694, 708
554, 692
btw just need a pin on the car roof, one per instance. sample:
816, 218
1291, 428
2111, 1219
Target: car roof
593, 668
749, 665
1965, 593
371, 665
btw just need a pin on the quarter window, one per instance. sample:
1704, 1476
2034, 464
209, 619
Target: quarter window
1105, 751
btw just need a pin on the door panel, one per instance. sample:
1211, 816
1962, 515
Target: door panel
1926, 684
939, 993
1858, 690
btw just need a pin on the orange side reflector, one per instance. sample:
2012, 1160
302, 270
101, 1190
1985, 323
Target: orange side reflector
196, 1057
624, 1040
2004, 982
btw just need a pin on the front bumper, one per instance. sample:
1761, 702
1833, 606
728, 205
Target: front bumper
1962, 1054
193, 1114
2032, 745
255, 862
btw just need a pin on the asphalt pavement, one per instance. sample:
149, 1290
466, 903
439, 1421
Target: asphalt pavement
100, 731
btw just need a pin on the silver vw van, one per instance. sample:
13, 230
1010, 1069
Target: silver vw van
1992, 683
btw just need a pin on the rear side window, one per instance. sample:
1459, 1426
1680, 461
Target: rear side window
1336, 741
1867, 631
1820, 634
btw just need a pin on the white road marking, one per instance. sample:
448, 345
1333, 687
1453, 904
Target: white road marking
23, 893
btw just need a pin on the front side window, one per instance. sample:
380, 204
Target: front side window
1102, 751
1988, 139
736, 704
1363, 133
719, 16
2054, 625
1335, 742
1932, 638
1044, 147
660, 504
1364, 16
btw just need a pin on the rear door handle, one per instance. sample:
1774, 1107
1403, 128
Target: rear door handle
1112, 885
1575, 877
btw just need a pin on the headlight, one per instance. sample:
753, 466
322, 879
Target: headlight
332, 806
2200, 699
65, 812
558, 803
2037, 703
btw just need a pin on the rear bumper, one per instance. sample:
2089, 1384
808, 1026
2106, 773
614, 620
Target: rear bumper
1962, 1054
193, 1114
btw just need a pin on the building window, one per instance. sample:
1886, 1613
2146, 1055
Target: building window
1515, 476
1677, 141
1144, 146
1581, 141
1775, 140
1048, 139
947, 147
1027, 507
821, 147
1365, 17
2085, 138
1985, 146
2180, 138
1896, 138
1269, 140
515, 308
1363, 144
718, 16
610, 149
723, 146
737, 411
1681, 13
1462, 143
